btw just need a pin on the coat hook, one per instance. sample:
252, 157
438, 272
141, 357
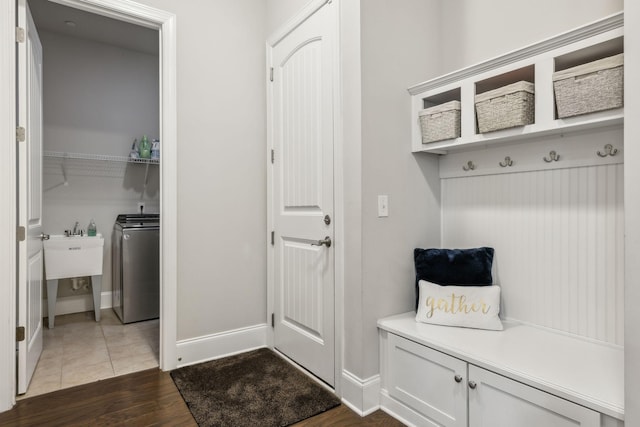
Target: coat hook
553, 157
469, 166
608, 151
507, 162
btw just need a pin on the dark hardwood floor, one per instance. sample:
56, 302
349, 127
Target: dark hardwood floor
146, 398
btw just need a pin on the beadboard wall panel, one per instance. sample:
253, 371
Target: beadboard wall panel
559, 241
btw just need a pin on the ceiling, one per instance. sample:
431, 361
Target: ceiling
53, 17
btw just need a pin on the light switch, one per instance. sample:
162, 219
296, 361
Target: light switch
383, 205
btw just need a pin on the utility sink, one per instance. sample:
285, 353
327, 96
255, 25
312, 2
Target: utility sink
73, 256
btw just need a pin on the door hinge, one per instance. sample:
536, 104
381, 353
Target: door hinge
273, 238
271, 74
273, 156
21, 234
273, 320
20, 134
20, 333
19, 35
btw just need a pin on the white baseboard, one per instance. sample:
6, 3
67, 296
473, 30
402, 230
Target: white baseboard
362, 396
106, 300
77, 304
223, 344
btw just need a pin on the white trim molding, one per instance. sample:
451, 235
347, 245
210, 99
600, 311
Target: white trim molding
362, 396
8, 203
223, 344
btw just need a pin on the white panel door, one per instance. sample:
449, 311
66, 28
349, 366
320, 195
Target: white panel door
30, 254
302, 108
496, 401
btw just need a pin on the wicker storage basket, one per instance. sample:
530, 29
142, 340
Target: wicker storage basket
440, 122
506, 107
595, 86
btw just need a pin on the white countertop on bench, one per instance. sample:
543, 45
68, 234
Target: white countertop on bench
585, 372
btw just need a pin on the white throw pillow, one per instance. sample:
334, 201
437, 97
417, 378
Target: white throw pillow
466, 306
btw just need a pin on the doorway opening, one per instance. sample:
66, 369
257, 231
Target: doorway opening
109, 183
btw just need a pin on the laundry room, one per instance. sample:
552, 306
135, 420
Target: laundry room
109, 90
100, 168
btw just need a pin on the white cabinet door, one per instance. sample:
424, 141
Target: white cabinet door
496, 401
430, 382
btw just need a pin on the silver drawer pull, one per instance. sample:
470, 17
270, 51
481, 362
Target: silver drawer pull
472, 385
458, 378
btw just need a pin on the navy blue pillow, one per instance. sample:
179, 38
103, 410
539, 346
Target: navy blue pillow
461, 267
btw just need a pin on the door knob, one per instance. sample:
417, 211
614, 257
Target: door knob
472, 384
326, 241
44, 236
458, 378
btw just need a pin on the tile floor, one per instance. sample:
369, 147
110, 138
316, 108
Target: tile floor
80, 350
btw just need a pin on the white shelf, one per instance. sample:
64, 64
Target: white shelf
97, 157
538, 62
557, 127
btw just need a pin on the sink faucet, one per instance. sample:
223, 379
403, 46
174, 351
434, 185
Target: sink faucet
75, 232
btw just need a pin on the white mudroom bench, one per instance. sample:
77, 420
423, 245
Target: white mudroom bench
522, 376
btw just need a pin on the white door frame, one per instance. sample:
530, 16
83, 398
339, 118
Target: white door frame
338, 206
135, 13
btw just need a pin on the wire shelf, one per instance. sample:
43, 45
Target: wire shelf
98, 157
93, 165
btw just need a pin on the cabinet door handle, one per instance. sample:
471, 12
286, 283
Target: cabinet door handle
472, 385
458, 378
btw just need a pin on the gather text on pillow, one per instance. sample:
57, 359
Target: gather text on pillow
454, 305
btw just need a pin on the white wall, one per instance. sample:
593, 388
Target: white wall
632, 212
221, 164
351, 74
396, 53
96, 99
473, 31
280, 11
558, 237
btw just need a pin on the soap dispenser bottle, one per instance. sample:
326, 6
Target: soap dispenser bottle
145, 148
91, 229
155, 149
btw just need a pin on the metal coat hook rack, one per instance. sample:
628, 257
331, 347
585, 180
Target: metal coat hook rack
553, 157
608, 151
507, 162
469, 166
